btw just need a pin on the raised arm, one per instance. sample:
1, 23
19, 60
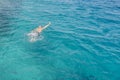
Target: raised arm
46, 26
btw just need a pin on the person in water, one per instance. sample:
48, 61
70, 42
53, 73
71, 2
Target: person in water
34, 34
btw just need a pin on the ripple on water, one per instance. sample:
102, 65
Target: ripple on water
81, 44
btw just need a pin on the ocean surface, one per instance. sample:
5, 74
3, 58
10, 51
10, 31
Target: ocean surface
82, 43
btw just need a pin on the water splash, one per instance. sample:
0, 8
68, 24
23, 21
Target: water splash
32, 38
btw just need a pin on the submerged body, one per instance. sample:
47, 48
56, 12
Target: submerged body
34, 34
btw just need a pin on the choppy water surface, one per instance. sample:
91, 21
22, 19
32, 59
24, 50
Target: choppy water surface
83, 42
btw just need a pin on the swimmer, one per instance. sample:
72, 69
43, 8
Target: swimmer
33, 35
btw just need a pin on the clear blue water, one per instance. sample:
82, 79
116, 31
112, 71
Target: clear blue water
83, 42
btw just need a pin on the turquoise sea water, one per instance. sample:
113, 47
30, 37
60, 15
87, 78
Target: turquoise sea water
83, 42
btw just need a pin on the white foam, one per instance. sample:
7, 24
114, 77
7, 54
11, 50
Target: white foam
33, 37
